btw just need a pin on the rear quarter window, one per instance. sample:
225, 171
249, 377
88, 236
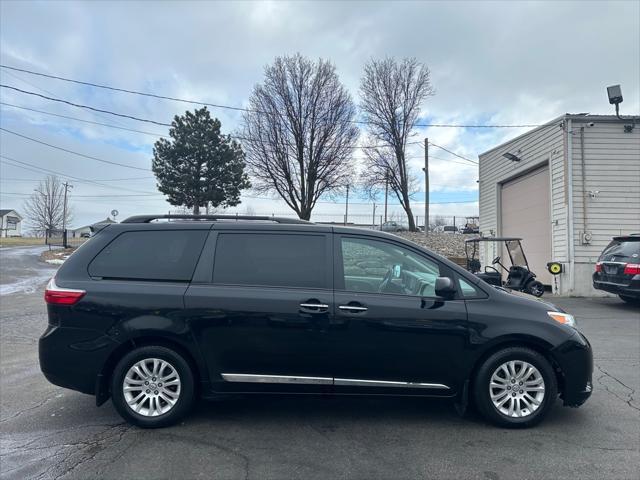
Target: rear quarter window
150, 255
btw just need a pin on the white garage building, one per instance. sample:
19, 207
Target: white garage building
566, 188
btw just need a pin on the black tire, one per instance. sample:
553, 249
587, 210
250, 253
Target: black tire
630, 300
482, 395
535, 288
186, 393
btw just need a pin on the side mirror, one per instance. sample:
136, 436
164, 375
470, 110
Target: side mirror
445, 287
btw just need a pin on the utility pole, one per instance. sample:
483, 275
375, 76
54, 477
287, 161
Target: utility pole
426, 186
346, 207
386, 194
64, 214
373, 222
64, 206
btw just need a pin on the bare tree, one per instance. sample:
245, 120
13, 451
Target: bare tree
300, 132
392, 92
45, 207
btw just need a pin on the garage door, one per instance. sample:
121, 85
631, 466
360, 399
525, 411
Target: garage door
525, 214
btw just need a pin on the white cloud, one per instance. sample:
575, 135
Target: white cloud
491, 62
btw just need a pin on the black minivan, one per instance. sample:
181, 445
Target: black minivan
154, 313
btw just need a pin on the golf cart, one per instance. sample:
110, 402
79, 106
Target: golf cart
519, 276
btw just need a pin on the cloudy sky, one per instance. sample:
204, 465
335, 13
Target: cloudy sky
492, 63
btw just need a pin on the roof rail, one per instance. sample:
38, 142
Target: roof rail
149, 218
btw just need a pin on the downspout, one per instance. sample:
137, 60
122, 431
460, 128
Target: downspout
584, 188
570, 225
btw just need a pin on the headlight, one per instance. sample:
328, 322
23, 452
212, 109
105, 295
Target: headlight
563, 318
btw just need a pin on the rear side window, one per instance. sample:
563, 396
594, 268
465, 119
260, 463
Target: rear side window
169, 255
276, 260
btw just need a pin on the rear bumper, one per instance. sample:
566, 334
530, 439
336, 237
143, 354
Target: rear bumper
74, 357
575, 360
631, 289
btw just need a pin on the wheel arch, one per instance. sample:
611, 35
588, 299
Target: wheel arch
103, 379
534, 343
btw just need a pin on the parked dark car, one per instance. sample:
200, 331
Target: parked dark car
392, 226
154, 314
618, 268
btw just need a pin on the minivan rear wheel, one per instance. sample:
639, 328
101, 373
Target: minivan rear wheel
152, 387
515, 387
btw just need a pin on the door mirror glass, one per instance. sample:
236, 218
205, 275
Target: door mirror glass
445, 287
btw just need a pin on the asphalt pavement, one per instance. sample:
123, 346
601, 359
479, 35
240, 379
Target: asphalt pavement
47, 432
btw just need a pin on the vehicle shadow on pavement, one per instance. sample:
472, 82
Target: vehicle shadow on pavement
400, 411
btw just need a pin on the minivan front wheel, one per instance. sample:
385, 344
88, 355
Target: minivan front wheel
152, 387
515, 387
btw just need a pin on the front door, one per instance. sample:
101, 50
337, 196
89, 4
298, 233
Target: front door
390, 333
261, 322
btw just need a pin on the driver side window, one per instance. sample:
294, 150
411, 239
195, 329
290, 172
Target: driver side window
374, 266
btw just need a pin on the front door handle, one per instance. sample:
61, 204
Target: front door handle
352, 308
315, 307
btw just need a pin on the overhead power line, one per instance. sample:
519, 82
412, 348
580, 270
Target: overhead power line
164, 136
237, 137
229, 107
73, 152
124, 90
82, 120
37, 87
453, 153
84, 106
97, 196
37, 169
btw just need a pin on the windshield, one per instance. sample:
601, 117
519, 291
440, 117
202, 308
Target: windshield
515, 252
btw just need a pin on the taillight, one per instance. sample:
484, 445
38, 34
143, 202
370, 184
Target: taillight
598, 267
56, 295
632, 269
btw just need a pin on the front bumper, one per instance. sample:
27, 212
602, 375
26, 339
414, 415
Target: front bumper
74, 357
574, 358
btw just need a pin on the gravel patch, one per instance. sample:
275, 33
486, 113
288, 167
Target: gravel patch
445, 244
56, 256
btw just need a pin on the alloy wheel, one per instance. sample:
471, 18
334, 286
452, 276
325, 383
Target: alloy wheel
151, 387
517, 389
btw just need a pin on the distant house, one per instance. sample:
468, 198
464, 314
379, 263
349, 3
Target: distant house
86, 230
10, 223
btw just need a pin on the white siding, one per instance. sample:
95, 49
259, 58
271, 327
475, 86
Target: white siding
542, 146
612, 168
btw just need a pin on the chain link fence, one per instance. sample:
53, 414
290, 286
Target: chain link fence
62, 238
458, 223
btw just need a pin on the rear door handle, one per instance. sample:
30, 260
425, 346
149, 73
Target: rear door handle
352, 308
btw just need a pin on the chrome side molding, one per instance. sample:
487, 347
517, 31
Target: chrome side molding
385, 383
249, 378
356, 382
